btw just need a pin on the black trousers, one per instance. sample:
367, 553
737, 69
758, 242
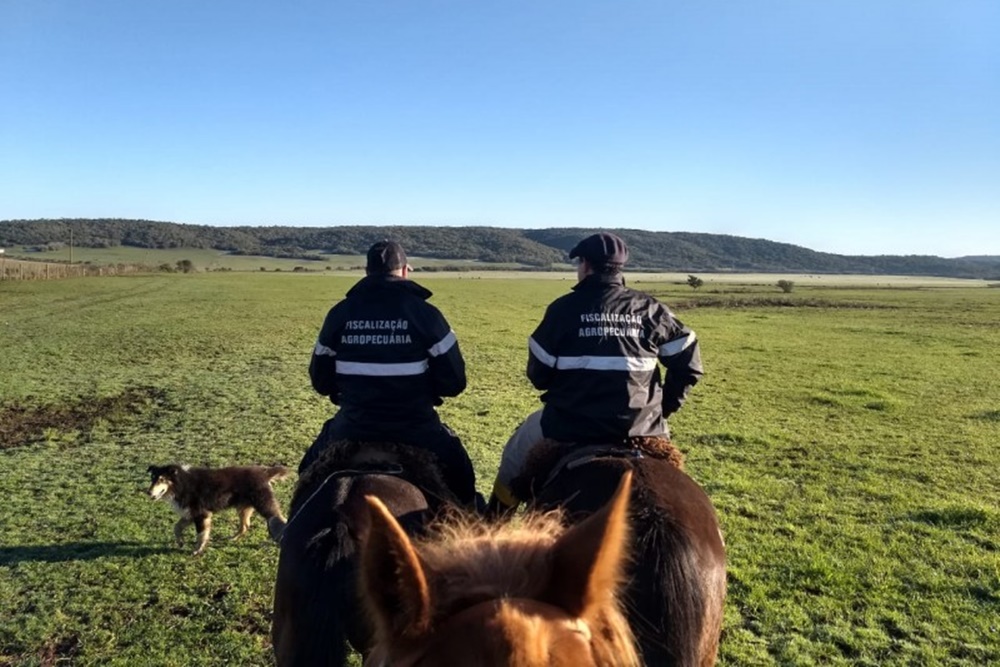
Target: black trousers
435, 437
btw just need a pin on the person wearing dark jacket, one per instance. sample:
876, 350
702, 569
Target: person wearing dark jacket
387, 358
596, 355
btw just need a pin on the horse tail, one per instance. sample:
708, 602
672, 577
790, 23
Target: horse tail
324, 626
317, 584
668, 600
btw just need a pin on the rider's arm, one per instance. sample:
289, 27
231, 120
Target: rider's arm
323, 364
444, 358
680, 354
542, 351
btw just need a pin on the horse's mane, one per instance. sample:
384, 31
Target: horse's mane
477, 560
548, 453
418, 466
472, 561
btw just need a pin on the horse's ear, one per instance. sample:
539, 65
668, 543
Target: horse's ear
588, 558
392, 577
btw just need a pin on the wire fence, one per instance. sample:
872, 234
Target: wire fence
20, 269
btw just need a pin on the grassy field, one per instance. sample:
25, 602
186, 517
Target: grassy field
847, 436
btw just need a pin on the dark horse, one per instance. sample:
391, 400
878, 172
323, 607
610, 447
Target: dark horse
677, 580
317, 607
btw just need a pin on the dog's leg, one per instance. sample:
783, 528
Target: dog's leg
179, 527
203, 524
245, 514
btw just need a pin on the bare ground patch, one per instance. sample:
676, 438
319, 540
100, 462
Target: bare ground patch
769, 302
24, 422
56, 651
60, 650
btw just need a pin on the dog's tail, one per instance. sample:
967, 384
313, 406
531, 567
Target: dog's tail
276, 472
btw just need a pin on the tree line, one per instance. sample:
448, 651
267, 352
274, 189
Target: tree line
532, 248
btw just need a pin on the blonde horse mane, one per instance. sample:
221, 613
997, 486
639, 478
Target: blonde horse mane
473, 558
464, 561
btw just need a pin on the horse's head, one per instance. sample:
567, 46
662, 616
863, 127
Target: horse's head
530, 594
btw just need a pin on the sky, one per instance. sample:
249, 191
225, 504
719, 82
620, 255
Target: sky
854, 127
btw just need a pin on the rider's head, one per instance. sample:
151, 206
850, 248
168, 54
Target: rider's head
600, 253
387, 258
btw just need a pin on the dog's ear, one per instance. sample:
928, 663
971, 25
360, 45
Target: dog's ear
161, 471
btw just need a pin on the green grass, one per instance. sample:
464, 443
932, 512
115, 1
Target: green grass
847, 437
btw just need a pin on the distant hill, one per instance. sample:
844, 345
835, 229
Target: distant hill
986, 259
538, 248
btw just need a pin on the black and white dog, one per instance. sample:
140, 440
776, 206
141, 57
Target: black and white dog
198, 492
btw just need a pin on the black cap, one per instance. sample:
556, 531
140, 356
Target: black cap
385, 256
601, 249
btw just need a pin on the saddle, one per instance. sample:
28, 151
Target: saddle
549, 458
352, 457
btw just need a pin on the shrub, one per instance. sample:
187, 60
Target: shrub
786, 286
695, 282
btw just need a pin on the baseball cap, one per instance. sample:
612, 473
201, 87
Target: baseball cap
385, 256
600, 249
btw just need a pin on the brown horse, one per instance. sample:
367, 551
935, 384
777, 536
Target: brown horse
317, 609
480, 594
677, 579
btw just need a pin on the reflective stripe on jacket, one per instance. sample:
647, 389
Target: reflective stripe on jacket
596, 354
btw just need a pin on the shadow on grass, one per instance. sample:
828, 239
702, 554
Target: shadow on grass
61, 553
953, 517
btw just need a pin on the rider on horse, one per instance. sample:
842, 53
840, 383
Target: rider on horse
595, 354
387, 357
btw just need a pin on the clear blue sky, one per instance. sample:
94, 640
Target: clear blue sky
859, 127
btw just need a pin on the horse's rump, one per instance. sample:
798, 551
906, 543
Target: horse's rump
351, 457
677, 578
316, 604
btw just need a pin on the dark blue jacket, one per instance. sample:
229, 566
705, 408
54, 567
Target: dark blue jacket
596, 354
387, 357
